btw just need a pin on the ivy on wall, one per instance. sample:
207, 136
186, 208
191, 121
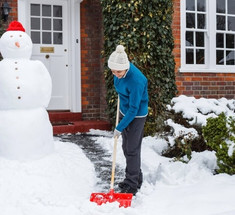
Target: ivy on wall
144, 28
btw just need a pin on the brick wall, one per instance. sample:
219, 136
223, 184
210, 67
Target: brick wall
208, 85
13, 13
93, 91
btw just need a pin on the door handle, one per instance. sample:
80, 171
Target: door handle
47, 56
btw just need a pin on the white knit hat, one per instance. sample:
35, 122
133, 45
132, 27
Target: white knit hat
118, 60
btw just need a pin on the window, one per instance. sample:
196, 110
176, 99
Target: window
207, 36
46, 24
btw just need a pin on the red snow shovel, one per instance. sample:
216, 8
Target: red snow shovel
124, 199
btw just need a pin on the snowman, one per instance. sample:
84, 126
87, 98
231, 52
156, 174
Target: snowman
25, 91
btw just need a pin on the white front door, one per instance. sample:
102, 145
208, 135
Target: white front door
48, 28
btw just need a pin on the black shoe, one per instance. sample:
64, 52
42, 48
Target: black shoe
122, 184
128, 189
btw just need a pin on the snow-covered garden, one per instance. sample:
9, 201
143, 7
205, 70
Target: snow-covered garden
61, 182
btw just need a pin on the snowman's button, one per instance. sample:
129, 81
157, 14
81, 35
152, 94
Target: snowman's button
16, 62
17, 77
19, 97
16, 68
18, 87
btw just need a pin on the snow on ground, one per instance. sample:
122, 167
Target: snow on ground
61, 183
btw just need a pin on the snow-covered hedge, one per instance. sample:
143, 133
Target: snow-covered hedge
219, 134
203, 123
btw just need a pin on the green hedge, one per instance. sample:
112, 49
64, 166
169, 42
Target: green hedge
219, 134
144, 28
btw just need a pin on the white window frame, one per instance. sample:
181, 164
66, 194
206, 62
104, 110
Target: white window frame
210, 43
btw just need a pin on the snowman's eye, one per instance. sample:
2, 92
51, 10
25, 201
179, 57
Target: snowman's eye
11, 36
20, 35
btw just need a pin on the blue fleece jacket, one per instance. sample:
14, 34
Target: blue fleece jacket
133, 94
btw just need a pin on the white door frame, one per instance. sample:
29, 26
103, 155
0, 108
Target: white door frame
74, 47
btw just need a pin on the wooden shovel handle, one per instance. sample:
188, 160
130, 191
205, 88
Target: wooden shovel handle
115, 147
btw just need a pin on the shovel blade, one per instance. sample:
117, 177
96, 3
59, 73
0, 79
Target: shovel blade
124, 199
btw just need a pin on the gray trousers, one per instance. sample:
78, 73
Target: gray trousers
132, 137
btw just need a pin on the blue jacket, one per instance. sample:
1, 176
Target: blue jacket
133, 94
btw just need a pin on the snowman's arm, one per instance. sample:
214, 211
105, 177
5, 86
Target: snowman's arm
45, 81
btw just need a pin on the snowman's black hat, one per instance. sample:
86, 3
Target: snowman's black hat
15, 26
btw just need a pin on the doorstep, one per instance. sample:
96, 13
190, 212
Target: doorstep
68, 122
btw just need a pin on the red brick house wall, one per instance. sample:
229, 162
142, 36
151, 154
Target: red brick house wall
93, 87
207, 85
13, 13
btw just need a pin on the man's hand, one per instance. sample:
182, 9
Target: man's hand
116, 133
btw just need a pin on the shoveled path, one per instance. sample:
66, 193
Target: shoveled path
101, 159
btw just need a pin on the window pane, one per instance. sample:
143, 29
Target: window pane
200, 39
230, 58
231, 6
57, 11
46, 37
220, 40
35, 23
220, 6
220, 22
46, 24
200, 56
231, 23
229, 41
35, 9
190, 5
201, 21
201, 5
190, 20
57, 24
46, 10
35, 36
220, 57
189, 38
58, 38
189, 56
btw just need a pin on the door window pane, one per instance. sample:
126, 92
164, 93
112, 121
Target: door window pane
201, 5
35, 9
35, 23
189, 56
46, 24
58, 38
231, 6
189, 38
57, 24
46, 10
35, 36
201, 21
200, 56
57, 11
190, 20
220, 22
200, 39
220, 40
46, 37
190, 5
220, 6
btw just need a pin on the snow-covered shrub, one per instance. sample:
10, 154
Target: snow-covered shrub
219, 134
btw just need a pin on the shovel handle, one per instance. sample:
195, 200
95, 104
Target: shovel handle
115, 147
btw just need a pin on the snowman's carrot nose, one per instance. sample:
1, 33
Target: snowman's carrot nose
17, 44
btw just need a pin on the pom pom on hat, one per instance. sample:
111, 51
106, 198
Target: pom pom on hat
15, 26
118, 60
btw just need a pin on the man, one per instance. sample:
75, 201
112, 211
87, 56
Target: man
132, 88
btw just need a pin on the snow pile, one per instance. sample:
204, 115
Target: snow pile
198, 110
57, 184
